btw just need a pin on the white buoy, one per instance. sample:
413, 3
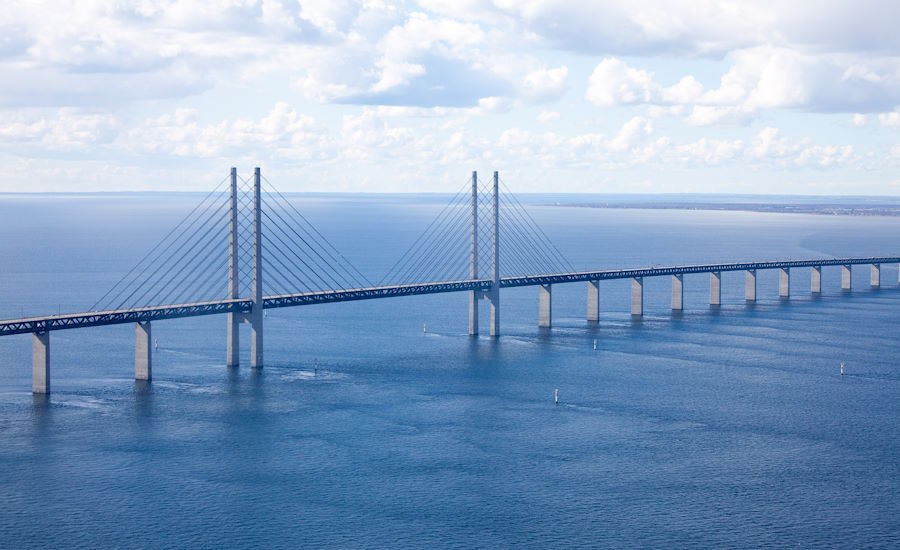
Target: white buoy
156, 343
556, 397
842, 368
595, 344
424, 328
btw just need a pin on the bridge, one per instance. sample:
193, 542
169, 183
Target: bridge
246, 248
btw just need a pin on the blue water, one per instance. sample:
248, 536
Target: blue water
727, 427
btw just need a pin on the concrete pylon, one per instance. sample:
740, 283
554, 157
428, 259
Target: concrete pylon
593, 301
256, 313
473, 260
233, 355
784, 282
545, 301
815, 276
40, 363
677, 292
846, 277
875, 280
750, 287
143, 352
495, 261
715, 288
637, 296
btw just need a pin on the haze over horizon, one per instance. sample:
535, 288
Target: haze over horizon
559, 95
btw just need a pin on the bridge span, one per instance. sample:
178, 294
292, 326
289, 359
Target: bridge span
249, 309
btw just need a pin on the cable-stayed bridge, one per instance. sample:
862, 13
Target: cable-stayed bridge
246, 248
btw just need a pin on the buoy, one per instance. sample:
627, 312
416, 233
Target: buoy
156, 343
316, 368
424, 328
595, 344
556, 397
842, 368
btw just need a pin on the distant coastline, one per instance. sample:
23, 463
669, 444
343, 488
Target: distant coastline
824, 209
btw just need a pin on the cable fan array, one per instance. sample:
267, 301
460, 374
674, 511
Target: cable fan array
191, 263
298, 258
442, 252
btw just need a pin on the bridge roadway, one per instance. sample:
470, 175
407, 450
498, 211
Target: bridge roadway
244, 306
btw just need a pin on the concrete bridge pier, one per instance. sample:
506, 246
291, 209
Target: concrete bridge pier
677, 292
715, 288
875, 279
256, 313
750, 286
40, 363
816, 279
474, 295
495, 259
233, 355
593, 301
846, 275
545, 319
784, 282
143, 353
637, 296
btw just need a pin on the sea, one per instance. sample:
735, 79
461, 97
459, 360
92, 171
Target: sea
722, 427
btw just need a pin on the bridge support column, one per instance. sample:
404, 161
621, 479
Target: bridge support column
816, 279
784, 282
715, 288
593, 301
545, 300
750, 286
677, 292
637, 296
473, 259
846, 276
40, 363
233, 355
495, 260
256, 313
875, 279
143, 353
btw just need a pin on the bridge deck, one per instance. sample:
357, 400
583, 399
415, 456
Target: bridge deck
243, 305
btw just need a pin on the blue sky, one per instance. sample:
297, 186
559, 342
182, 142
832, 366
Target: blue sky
559, 95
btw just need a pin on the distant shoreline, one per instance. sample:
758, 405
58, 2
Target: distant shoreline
818, 209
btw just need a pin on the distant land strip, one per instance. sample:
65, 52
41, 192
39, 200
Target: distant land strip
821, 209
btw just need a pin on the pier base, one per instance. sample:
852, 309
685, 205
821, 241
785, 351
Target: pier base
494, 297
875, 279
750, 286
544, 305
784, 282
715, 288
256, 340
846, 277
233, 355
143, 353
677, 292
637, 296
473, 313
816, 280
593, 301
40, 363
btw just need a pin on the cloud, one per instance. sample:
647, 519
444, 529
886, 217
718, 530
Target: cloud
545, 84
890, 120
548, 116
758, 79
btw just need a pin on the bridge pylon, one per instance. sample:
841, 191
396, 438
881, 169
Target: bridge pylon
494, 295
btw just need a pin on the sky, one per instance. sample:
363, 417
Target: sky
613, 96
